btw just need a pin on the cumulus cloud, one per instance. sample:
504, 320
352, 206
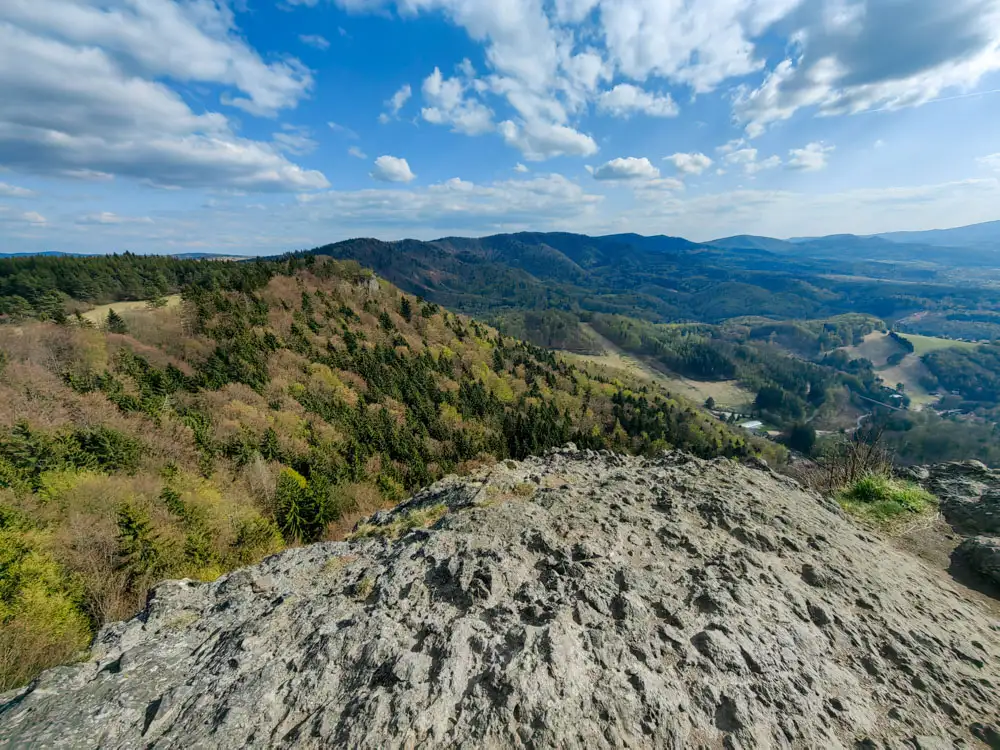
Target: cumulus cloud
876, 55
693, 164
103, 117
34, 218
519, 167
627, 168
448, 105
625, 100
315, 40
539, 140
357, 153
13, 191
195, 41
843, 56
810, 158
392, 169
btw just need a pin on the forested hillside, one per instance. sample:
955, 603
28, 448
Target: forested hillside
48, 287
279, 403
660, 279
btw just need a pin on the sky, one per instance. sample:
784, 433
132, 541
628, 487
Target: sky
261, 126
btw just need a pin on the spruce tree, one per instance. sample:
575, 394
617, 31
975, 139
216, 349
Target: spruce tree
116, 323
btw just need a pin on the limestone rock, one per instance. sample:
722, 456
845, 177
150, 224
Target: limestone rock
578, 600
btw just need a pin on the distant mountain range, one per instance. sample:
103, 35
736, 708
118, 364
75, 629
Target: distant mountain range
979, 245
985, 234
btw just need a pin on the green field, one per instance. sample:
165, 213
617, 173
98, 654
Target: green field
924, 344
910, 372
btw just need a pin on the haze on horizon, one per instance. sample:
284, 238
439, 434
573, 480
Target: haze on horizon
258, 126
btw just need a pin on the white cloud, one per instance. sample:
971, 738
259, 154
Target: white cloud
34, 218
625, 100
392, 169
627, 168
694, 163
294, 140
449, 105
102, 119
315, 40
457, 205
539, 140
747, 158
108, 217
990, 162
810, 158
13, 191
885, 55
357, 153
195, 41
397, 100
519, 167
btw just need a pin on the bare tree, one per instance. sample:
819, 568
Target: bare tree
860, 454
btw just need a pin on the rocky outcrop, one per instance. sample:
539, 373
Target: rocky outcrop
574, 601
969, 494
982, 553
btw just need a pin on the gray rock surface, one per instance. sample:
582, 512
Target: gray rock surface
969, 492
982, 553
573, 601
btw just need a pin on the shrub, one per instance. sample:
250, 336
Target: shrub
41, 622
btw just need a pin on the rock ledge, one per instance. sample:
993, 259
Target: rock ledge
578, 600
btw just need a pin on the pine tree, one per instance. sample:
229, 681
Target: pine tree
115, 323
296, 512
138, 551
405, 308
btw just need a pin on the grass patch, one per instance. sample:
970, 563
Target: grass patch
415, 519
524, 489
884, 500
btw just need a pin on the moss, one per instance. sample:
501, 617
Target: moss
364, 588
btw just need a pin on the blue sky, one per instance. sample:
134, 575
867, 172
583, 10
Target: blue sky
259, 126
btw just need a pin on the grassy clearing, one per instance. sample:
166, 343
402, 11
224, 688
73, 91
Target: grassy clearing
910, 372
876, 347
728, 394
924, 344
885, 501
100, 313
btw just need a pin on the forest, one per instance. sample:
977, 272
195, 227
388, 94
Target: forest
974, 374
787, 388
277, 405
